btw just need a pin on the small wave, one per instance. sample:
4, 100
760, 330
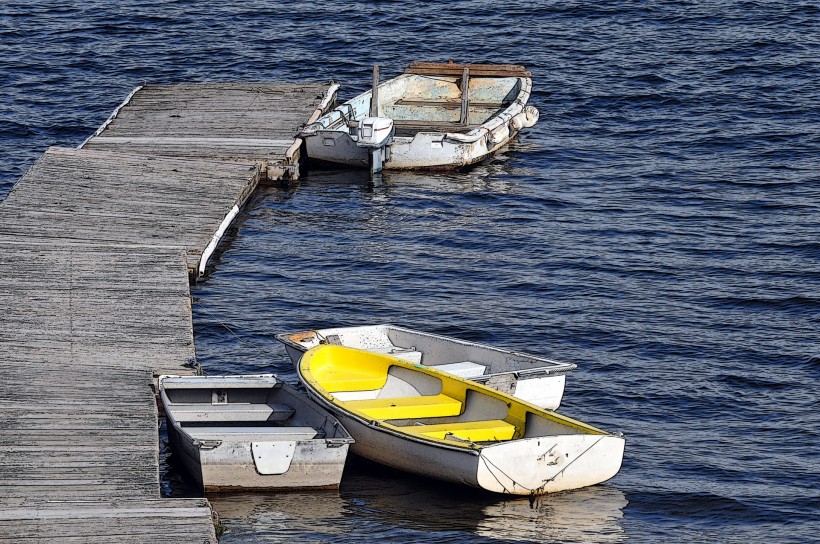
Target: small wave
795, 303
650, 78
753, 382
666, 507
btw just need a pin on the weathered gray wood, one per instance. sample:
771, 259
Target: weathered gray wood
76, 520
245, 122
103, 198
374, 93
96, 248
465, 95
85, 324
82, 330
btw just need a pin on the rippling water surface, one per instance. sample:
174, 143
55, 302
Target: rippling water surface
660, 227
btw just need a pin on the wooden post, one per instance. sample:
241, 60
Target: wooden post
374, 97
465, 99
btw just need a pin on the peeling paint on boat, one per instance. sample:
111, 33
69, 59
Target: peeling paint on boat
426, 111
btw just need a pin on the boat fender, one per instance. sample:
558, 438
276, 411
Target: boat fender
532, 116
498, 135
526, 118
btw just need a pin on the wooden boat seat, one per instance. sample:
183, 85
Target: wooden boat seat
451, 104
185, 413
474, 431
408, 407
476, 70
412, 126
251, 434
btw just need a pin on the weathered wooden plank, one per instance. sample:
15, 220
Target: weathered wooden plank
156, 520
476, 70
77, 362
255, 122
106, 198
465, 95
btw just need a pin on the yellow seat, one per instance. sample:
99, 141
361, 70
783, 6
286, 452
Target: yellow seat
408, 407
354, 383
475, 431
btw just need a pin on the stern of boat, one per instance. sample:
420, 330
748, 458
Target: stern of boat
548, 464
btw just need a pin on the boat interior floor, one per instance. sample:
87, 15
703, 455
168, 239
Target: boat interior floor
240, 422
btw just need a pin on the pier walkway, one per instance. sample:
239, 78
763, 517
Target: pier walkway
224, 121
97, 248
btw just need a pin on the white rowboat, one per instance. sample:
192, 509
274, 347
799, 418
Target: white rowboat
439, 426
252, 432
533, 379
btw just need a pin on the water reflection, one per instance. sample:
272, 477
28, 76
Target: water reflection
586, 515
494, 175
377, 504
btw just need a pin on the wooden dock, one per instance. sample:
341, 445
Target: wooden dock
97, 248
84, 197
223, 121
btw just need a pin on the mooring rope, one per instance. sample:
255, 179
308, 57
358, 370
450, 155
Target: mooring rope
570, 463
489, 464
235, 335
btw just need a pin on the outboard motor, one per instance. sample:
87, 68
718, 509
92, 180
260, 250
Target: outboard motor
376, 134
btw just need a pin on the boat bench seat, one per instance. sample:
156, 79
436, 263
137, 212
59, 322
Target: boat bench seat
407, 354
463, 369
251, 434
474, 431
414, 126
231, 412
353, 382
408, 407
451, 104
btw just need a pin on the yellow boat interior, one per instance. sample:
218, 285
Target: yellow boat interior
427, 403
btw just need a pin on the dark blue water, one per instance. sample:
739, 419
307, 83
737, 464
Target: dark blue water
660, 227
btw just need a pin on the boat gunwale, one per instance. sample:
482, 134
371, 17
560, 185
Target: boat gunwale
492, 123
556, 368
335, 405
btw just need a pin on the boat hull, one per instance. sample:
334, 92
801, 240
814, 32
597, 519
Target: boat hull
230, 466
550, 457
517, 468
436, 150
222, 460
440, 123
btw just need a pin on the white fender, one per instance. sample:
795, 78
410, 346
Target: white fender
532, 116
